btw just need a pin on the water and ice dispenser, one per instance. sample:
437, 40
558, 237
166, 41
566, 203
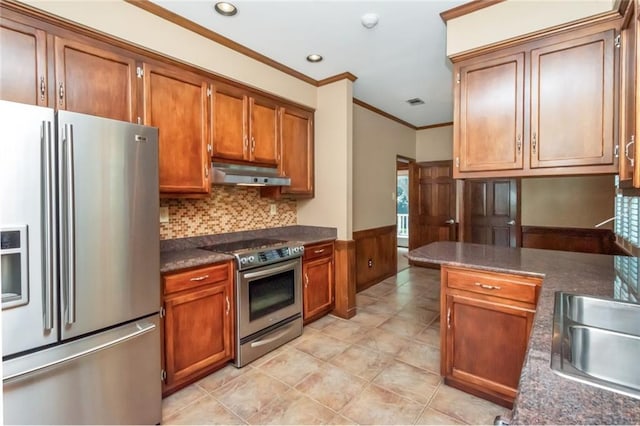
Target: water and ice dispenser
13, 266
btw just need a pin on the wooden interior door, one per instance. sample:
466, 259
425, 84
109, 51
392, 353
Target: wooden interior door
492, 212
432, 203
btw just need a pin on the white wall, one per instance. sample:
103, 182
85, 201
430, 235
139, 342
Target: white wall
435, 144
377, 141
513, 18
333, 202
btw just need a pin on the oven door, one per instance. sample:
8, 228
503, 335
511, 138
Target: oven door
268, 295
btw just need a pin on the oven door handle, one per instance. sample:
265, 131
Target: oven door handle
259, 343
270, 271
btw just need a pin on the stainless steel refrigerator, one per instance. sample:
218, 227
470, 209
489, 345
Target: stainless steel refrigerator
80, 268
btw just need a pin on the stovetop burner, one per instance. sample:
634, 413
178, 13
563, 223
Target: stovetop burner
258, 251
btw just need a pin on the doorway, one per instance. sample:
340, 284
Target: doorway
492, 212
432, 203
402, 211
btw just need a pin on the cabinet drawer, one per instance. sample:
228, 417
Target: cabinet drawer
506, 286
194, 278
318, 250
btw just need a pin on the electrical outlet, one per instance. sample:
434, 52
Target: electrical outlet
370, 263
273, 209
164, 214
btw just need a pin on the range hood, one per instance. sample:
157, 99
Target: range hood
234, 174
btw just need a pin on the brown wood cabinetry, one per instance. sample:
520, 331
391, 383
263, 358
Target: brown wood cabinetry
487, 320
629, 168
544, 107
23, 68
318, 281
177, 102
198, 324
94, 81
90, 79
245, 126
50, 62
490, 126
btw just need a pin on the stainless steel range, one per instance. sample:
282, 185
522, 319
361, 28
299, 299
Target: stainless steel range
268, 295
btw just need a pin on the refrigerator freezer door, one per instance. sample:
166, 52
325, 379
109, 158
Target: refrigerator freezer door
111, 377
109, 222
27, 210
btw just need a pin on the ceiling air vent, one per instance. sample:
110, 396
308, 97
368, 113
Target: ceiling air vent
415, 101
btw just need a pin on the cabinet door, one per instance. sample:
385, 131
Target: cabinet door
296, 129
489, 134
198, 331
572, 97
94, 81
23, 64
318, 286
176, 102
485, 345
230, 139
628, 97
263, 131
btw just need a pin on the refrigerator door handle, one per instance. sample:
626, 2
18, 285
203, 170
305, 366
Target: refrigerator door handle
71, 238
49, 225
140, 329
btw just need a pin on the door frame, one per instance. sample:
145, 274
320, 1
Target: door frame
401, 159
462, 212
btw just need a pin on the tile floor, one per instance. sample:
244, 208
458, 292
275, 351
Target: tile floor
380, 367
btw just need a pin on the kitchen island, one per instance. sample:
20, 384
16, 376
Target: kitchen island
543, 396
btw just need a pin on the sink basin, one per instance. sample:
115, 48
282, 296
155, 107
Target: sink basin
597, 341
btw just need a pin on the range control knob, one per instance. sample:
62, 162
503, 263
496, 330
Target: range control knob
295, 249
252, 258
243, 260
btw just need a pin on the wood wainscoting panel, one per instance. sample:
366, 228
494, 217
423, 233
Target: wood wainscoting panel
586, 240
345, 278
376, 255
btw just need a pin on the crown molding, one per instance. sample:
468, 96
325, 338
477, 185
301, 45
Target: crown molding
338, 77
467, 8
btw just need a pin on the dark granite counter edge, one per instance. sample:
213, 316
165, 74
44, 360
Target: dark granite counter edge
543, 396
184, 253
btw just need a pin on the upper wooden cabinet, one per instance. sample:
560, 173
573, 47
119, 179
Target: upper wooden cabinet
544, 107
297, 151
94, 81
245, 126
572, 98
177, 102
23, 68
90, 79
629, 167
490, 128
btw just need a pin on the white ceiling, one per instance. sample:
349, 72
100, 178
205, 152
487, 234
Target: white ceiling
403, 57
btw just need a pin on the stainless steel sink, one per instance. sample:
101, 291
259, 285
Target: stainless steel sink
597, 341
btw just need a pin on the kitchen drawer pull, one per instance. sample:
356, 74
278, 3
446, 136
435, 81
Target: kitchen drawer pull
488, 287
306, 280
319, 251
226, 298
204, 277
449, 318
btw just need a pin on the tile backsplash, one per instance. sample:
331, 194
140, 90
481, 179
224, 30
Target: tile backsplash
227, 209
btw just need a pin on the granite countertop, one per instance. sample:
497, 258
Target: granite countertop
182, 253
543, 396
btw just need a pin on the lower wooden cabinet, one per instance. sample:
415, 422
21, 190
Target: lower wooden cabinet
198, 323
317, 281
485, 327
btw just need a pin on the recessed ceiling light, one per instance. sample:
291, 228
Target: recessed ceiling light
314, 57
225, 8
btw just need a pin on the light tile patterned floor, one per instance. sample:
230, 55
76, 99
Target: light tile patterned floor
380, 367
